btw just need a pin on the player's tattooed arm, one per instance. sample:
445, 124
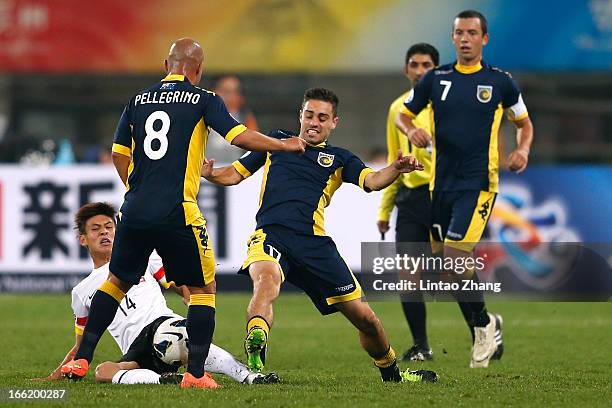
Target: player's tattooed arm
225, 176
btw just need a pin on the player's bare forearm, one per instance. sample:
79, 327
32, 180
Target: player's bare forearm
255, 141
224, 176
519, 158
381, 179
524, 134
404, 123
121, 163
183, 292
417, 136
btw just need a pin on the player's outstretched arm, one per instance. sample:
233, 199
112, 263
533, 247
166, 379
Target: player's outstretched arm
383, 178
417, 136
255, 141
224, 176
56, 374
518, 159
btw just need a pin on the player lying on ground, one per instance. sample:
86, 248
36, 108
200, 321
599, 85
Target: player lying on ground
152, 338
290, 241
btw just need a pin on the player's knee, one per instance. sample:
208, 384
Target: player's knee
105, 372
368, 322
267, 280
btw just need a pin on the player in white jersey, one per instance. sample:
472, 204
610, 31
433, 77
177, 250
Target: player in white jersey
143, 303
139, 315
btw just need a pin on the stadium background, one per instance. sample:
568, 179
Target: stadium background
67, 68
67, 71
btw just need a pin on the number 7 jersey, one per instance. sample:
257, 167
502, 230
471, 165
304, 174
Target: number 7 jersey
164, 131
468, 105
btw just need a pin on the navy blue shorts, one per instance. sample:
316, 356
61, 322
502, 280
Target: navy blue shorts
310, 262
459, 218
186, 253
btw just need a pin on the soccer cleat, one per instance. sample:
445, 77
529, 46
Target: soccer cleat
75, 369
255, 348
271, 378
206, 381
170, 378
418, 353
498, 337
419, 376
484, 345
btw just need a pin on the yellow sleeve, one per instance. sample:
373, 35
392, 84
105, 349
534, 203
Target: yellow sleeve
388, 198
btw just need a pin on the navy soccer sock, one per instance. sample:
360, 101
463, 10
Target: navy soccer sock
103, 308
200, 329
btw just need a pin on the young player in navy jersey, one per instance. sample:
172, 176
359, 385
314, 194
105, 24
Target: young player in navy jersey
290, 241
158, 152
468, 99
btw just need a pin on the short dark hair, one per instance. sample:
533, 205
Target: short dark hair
474, 14
322, 94
425, 49
91, 210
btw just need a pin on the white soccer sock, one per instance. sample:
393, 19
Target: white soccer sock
137, 376
221, 362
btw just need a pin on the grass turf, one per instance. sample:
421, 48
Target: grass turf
556, 354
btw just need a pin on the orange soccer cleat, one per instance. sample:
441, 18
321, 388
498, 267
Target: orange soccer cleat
206, 381
75, 369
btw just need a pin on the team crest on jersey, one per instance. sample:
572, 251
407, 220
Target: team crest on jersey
484, 93
325, 160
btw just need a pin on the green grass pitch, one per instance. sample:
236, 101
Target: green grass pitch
557, 354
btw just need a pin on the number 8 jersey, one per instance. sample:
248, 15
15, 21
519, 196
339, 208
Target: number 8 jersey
164, 130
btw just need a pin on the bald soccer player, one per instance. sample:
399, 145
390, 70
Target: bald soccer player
158, 151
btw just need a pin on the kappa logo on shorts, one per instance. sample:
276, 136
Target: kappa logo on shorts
484, 93
325, 160
203, 235
484, 209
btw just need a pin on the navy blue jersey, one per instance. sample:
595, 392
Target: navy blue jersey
468, 105
296, 188
164, 129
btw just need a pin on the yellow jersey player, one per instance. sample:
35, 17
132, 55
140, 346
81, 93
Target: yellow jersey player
410, 192
468, 99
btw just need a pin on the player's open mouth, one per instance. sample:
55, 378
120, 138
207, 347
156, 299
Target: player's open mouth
313, 131
465, 48
105, 241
